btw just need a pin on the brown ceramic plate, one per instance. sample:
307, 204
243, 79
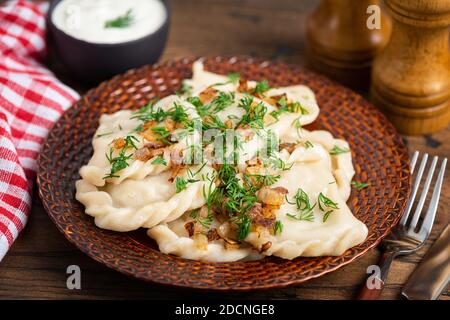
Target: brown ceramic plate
379, 157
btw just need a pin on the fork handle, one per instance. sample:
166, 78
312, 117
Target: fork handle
377, 281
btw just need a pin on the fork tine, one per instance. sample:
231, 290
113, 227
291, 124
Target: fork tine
423, 196
431, 212
414, 190
414, 160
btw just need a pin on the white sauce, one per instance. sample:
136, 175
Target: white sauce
85, 19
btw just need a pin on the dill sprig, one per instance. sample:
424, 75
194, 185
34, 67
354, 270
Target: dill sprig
222, 101
278, 227
244, 223
264, 180
212, 196
232, 78
304, 207
148, 113
254, 114
163, 133
159, 160
326, 205
182, 183
278, 163
298, 126
338, 150
235, 197
239, 198
261, 87
360, 185
206, 222
122, 21
103, 134
213, 122
219, 103
207, 112
120, 161
193, 214
284, 106
308, 144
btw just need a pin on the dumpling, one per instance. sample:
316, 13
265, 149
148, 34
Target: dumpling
308, 108
342, 167
124, 124
314, 234
143, 203
172, 238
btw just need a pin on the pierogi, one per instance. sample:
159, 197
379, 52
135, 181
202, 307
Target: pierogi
224, 171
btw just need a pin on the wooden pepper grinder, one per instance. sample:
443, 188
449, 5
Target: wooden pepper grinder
411, 76
339, 42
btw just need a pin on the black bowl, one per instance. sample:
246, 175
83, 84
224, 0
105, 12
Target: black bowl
94, 62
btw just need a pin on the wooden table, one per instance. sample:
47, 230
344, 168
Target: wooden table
36, 265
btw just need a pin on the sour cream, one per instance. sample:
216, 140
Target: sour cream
86, 19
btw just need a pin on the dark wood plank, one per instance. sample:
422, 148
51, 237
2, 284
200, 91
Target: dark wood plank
36, 265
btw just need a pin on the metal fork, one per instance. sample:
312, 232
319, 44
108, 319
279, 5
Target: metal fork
404, 239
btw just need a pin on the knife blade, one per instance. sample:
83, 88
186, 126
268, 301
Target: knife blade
433, 273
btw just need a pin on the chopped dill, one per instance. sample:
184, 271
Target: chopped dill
338, 150
278, 227
298, 126
159, 160
163, 134
122, 21
181, 183
304, 207
193, 214
120, 161
261, 87
280, 164
232, 78
222, 101
325, 204
103, 134
149, 113
264, 180
308, 144
254, 114
284, 106
360, 185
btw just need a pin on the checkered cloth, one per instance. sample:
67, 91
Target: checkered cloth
31, 100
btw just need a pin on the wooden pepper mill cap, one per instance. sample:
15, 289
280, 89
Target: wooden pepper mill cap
411, 76
425, 12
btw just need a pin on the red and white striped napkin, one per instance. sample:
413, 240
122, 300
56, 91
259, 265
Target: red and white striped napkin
31, 100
